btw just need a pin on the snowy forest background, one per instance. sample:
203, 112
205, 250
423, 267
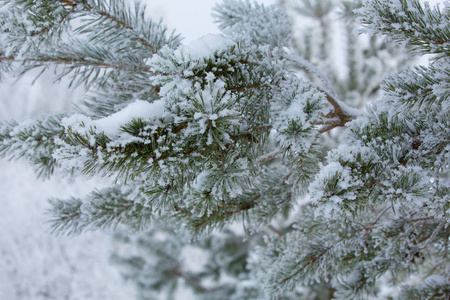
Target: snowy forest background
36, 264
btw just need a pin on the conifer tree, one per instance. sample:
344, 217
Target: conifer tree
235, 129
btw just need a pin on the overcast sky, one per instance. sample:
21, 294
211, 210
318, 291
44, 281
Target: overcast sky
190, 18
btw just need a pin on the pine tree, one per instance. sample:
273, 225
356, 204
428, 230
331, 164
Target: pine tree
236, 129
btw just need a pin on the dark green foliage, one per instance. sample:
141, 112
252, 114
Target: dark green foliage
33, 140
411, 22
101, 209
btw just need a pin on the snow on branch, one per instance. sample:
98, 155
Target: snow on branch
342, 113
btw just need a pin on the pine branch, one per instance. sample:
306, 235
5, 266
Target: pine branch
230, 130
337, 118
246, 19
74, 62
34, 141
425, 29
64, 18
126, 26
228, 211
341, 113
311, 261
422, 86
103, 209
433, 235
122, 23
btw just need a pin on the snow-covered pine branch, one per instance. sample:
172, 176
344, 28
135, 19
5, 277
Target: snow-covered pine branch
423, 28
236, 128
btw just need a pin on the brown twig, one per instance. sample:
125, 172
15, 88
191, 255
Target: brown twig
112, 18
337, 118
279, 233
48, 28
243, 207
191, 281
310, 262
69, 61
126, 26
270, 156
68, 2
419, 219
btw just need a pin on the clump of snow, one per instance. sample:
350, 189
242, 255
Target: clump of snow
203, 47
139, 109
111, 125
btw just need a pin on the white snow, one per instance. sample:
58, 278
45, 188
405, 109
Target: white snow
137, 110
111, 125
203, 47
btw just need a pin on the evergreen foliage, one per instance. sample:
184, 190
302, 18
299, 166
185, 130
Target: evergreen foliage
256, 127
